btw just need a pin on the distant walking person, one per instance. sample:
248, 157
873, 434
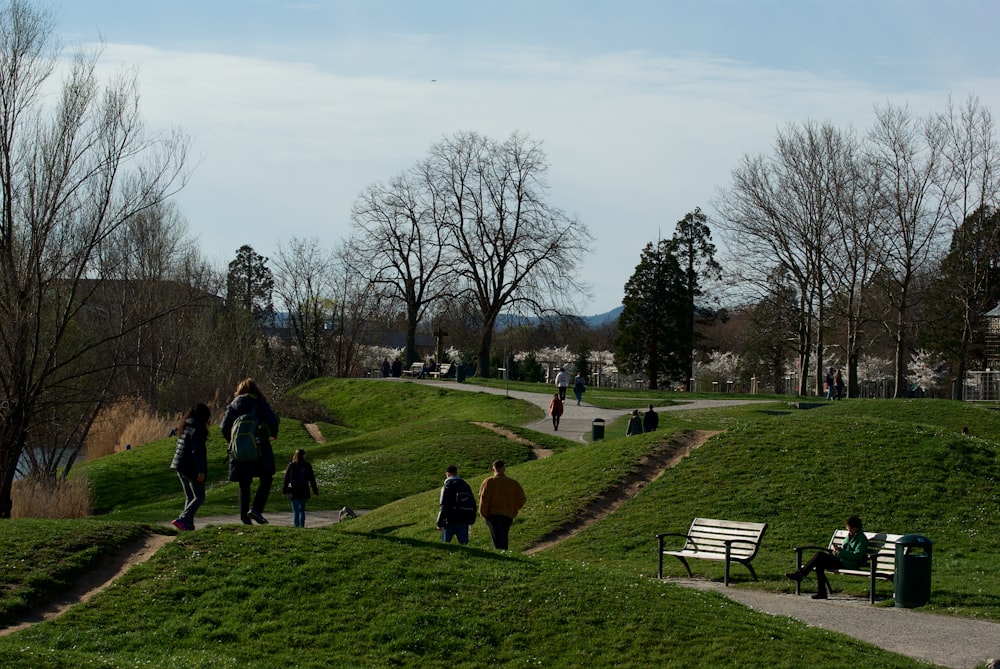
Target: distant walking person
838, 381
634, 424
250, 403
500, 499
562, 382
829, 381
650, 420
457, 508
579, 386
191, 463
555, 410
299, 478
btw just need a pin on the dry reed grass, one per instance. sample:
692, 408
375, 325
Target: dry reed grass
127, 423
50, 498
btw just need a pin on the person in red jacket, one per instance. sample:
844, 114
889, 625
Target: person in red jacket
500, 498
555, 410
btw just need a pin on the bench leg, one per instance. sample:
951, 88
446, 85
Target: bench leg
871, 585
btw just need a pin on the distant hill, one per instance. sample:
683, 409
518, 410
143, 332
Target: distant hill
507, 320
603, 319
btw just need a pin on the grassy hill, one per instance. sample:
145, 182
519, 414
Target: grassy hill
383, 591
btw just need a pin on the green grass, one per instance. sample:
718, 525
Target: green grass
382, 590
272, 597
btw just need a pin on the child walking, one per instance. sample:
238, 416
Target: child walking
191, 463
299, 478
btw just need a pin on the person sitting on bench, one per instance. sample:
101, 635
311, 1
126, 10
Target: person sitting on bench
851, 555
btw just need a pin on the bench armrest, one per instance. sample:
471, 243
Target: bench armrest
660, 537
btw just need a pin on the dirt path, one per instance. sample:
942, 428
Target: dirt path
133, 553
536, 450
664, 456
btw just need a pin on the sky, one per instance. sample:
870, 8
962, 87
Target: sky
643, 107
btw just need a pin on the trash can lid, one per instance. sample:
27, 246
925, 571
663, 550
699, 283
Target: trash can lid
597, 420
913, 540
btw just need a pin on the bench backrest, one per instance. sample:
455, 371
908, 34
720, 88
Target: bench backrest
444, 369
708, 535
416, 367
881, 548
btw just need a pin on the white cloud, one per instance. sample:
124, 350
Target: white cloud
635, 140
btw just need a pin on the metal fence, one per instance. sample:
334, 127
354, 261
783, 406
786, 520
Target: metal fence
981, 386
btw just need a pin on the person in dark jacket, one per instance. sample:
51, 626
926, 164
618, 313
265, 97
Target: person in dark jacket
851, 555
191, 463
458, 508
299, 478
249, 399
650, 420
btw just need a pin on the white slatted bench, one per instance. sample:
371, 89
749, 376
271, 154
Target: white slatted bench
414, 369
881, 558
441, 371
713, 539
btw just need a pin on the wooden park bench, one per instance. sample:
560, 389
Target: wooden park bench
414, 369
712, 539
441, 371
881, 558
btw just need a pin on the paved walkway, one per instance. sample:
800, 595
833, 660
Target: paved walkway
576, 420
947, 641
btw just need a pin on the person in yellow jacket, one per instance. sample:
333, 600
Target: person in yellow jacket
500, 498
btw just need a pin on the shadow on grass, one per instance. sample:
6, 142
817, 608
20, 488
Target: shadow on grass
437, 545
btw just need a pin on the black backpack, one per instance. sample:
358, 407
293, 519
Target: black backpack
465, 504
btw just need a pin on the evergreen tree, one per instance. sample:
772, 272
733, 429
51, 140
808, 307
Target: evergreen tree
249, 286
654, 331
696, 254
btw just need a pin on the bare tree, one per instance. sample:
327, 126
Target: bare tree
855, 255
399, 245
303, 274
512, 250
72, 176
916, 193
970, 156
780, 210
357, 304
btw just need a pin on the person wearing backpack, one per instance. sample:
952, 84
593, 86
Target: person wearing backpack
250, 412
191, 463
299, 477
458, 508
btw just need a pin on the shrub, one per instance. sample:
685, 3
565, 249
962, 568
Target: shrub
128, 422
43, 497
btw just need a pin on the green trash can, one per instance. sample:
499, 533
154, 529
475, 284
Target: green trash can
597, 429
460, 373
912, 583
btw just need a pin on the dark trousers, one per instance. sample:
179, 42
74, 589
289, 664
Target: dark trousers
259, 497
820, 563
499, 530
562, 393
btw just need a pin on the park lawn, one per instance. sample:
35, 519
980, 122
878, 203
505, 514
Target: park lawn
339, 597
804, 472
406, 454
381, 589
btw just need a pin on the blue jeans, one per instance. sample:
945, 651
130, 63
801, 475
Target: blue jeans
460, 532
299, 512
194, 494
